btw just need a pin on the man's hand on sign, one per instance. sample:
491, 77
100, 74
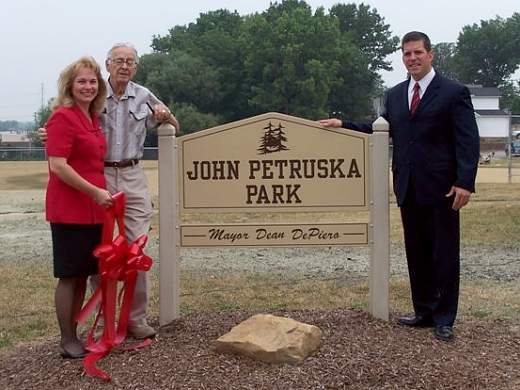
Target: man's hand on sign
162, 114
330, 122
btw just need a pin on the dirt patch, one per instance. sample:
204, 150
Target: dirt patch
357, 352
33, 181
15, 175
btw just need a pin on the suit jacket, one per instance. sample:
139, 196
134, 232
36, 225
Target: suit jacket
437, 147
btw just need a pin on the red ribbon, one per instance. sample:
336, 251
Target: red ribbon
117, 261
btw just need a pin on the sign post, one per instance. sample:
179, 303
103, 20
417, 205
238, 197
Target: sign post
169, 245
379, 273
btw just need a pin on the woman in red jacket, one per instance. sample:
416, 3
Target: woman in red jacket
76, 194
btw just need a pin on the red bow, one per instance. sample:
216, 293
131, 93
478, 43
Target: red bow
117, 261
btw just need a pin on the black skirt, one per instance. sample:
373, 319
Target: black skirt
72, 247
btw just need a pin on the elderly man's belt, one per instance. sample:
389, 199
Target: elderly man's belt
122, 163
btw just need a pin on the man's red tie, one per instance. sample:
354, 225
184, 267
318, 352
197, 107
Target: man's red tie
415, 98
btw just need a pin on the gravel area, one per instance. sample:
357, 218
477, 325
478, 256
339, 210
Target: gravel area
482, 262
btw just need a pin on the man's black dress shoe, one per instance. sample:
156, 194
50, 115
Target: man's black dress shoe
416, 321
444, 332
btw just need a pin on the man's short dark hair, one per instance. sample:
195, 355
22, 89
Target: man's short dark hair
414, 36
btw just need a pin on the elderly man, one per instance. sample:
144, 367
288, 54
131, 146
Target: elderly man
130, 110
129, 114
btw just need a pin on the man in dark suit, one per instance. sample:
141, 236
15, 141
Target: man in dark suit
435, 158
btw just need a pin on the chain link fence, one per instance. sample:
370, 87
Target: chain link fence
38, 154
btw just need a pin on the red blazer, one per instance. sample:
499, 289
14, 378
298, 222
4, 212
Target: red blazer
83, 144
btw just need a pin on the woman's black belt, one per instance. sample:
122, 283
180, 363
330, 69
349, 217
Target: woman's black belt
122, 163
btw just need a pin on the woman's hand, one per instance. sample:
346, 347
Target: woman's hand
103, 198
67, 174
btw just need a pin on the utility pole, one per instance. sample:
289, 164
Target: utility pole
42, 96
509, 151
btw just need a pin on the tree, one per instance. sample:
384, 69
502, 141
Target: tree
215, 42
192, 120
289, 59
181, 77
368, 31
40, 118
305, 64
511, 97
489, 53
444, 59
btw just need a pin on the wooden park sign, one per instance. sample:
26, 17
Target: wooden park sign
271, 163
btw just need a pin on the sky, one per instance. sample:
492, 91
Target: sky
38, 38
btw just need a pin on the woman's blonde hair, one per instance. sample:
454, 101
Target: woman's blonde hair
66, 80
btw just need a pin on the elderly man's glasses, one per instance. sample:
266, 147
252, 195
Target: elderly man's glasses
130, 62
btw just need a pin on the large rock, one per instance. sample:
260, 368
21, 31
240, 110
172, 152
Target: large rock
271, 339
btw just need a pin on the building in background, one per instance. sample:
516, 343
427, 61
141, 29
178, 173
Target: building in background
493, 123
12, 139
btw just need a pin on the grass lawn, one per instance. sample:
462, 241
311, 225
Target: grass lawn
491, 219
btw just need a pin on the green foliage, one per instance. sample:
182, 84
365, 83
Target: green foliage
444, 59
181, 77
511, 97
367, 30
40, 118
486, 54
291, 60
355, 88
192, 120
204, 64
42, 115
287, 59
489, 53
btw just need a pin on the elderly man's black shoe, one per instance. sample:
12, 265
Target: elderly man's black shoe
444, 332
416, 321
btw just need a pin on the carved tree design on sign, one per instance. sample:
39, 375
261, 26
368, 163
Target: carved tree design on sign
272, 140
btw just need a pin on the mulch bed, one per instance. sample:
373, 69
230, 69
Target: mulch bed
357, 352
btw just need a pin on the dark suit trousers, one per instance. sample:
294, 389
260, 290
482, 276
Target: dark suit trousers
432, 241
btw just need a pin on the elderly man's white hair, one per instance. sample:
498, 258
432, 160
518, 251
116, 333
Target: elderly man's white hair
123, 44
